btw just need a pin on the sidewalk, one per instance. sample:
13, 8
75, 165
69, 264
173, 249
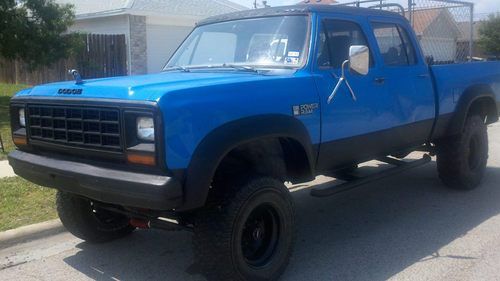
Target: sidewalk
6, 170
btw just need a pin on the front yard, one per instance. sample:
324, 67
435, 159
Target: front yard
6, 92
21, 202
24, 203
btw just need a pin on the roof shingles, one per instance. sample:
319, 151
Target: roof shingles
201, 8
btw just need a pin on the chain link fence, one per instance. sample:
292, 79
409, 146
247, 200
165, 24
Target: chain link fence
444, 27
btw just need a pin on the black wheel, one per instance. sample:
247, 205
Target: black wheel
461, 160
93, 225
249, 234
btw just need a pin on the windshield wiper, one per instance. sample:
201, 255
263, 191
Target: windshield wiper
240, 67
177, 67
224, 65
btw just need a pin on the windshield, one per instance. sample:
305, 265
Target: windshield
260, 42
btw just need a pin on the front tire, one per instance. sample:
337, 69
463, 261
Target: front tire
249, 234
461, 160
82, 220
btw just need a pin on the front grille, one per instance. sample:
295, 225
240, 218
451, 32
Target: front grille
87, 127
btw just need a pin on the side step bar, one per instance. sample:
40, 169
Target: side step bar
400, 166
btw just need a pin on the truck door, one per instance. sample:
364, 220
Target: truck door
407, 80
349, 128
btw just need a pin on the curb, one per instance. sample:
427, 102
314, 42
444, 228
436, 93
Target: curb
6, 170
30, 232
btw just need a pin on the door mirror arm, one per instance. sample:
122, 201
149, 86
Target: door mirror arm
342, 79
359, 62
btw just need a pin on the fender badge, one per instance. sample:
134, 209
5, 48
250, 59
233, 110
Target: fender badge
304, 109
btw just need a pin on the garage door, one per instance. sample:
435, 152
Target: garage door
162, 42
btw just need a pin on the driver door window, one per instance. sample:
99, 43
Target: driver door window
336, 38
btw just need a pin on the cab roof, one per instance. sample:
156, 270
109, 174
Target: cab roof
303, 9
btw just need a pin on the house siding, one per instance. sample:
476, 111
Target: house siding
439, 40
105, 25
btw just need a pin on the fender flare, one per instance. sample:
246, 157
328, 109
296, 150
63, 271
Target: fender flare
469, 96
219, 142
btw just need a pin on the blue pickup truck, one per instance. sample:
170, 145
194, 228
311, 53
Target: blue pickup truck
249, 101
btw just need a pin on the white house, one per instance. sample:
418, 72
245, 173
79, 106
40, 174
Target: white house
438, 33
153, 28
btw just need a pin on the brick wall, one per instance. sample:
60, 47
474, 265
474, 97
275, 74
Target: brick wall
138, 45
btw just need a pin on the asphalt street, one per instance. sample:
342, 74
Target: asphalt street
407, 227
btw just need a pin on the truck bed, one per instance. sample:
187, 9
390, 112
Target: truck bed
451, 80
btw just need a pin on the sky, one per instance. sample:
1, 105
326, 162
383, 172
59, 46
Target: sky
482, 7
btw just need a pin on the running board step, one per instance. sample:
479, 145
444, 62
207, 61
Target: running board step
400, 166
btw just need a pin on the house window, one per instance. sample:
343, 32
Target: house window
394, 44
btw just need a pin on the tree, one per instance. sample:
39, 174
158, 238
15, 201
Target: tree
489, 35
35, 31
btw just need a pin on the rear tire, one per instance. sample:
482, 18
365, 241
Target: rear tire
82, 220
461, 160
248, 234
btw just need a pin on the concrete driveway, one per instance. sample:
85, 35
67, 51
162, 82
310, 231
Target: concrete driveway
408, 227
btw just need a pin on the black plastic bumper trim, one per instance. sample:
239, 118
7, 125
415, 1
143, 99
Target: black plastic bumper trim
101, 184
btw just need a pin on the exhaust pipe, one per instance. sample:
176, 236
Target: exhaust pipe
157, 224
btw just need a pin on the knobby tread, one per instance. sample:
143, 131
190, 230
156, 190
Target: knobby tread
452, 161
215, 225
77, 217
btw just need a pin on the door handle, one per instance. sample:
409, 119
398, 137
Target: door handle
379, 80
425, 75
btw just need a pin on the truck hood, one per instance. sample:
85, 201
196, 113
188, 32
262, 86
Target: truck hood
145, 87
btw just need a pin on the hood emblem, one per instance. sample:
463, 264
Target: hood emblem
70, 91
76, 75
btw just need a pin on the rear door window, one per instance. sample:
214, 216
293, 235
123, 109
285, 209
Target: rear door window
394, 44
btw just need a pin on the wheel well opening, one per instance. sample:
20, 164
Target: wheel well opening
486, 108
281, 158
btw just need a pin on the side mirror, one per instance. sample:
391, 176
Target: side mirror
359, 62
359, 59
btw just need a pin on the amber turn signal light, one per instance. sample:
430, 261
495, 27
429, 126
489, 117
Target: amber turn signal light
19, 140
141, 158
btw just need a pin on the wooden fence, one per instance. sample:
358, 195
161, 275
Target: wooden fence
102, 56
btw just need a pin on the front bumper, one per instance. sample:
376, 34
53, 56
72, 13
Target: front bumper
106, 185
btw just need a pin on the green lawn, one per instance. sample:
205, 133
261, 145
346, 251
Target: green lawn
24, 203
21, 202
6, 92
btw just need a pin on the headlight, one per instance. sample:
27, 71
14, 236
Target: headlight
22, 118
145, 128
